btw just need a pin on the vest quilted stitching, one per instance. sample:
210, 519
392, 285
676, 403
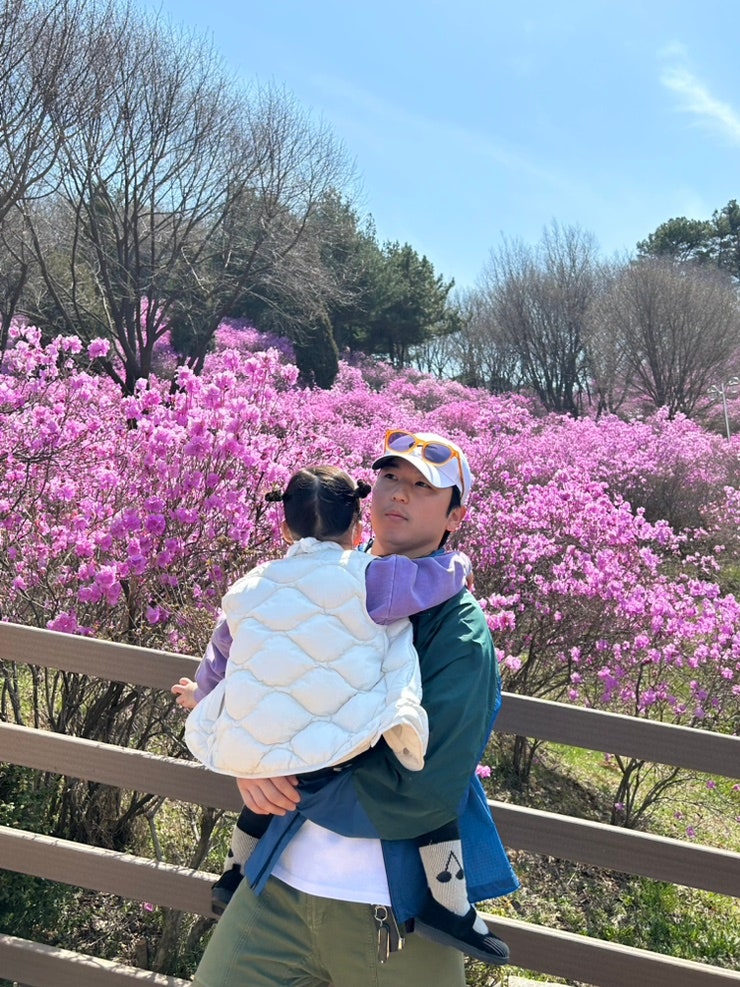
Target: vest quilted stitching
311, 680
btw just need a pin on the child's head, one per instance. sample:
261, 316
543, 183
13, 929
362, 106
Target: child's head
321, 502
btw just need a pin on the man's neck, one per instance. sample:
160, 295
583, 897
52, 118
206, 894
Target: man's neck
373, 547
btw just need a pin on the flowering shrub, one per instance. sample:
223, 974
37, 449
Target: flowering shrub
236, 334
598, 547
119, 513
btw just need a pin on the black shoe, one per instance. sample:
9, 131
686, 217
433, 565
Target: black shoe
440, 925
223, 889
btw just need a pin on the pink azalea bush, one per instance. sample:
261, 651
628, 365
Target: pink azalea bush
155, 501
120, 514
598, 547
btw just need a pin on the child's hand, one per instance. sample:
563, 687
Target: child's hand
185, 692
469, 576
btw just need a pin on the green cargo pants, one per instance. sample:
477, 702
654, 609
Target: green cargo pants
285, 938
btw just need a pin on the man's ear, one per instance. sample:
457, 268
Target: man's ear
286, 533
357, 532
455, 518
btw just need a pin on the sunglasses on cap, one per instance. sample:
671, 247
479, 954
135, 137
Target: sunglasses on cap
435, 452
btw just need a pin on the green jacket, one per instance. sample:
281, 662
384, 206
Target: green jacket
461, 695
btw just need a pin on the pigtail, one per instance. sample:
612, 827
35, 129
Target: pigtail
362, 490
274, 496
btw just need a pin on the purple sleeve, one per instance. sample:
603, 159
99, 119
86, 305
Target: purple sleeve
399, 587
213, 664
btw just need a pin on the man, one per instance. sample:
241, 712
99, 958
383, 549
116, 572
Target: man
320, 913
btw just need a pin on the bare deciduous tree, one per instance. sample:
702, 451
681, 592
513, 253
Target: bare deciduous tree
537, 299
16, 264
675, 327
608, 361
174, 192
38, 74
481, 351
435, 356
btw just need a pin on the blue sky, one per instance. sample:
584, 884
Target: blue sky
473, 120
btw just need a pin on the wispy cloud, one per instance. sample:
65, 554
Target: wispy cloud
383, 121
696, 98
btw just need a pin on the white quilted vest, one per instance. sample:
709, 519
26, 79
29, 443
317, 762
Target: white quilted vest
311, 680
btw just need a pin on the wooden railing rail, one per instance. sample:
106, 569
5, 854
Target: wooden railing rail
521, 828
612, 733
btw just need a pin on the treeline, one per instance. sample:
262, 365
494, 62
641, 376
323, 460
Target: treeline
145, 192
656, 330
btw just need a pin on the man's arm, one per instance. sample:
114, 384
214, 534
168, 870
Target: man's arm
461, 695
398, 587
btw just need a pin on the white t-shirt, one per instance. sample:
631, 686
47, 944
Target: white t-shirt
327, 865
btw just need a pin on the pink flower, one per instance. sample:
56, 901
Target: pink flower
483, 771
98, 348
65, 622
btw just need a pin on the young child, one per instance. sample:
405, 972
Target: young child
302, 677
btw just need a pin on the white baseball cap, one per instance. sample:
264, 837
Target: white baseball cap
439, 460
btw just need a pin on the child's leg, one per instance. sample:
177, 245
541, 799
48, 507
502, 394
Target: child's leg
244, 838
448, 916
441, 857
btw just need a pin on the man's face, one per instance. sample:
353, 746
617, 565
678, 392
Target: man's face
409, 515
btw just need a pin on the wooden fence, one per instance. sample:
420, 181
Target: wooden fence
544, 950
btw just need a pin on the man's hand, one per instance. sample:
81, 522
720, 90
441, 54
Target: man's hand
269, 796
